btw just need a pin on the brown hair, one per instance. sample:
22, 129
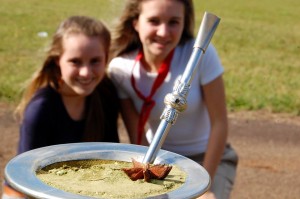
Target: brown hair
49, 73
126, 39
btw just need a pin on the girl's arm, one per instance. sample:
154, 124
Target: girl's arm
36, 125
130, 117
214, 97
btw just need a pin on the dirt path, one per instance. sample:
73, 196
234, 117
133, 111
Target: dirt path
268, 147
267, 144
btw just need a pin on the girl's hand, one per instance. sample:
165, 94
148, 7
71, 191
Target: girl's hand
208, 195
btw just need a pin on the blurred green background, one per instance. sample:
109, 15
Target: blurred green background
258, 42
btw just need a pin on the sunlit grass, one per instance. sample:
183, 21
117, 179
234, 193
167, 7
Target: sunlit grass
258, 42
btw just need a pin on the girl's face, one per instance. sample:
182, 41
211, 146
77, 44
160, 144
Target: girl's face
160, 25
82, 64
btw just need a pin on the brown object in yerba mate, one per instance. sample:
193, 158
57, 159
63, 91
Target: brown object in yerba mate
147, 171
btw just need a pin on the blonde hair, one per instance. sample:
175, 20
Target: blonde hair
49, 73
126, 39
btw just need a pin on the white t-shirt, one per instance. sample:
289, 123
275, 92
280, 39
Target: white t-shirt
189, 135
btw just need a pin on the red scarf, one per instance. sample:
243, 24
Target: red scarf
148, 101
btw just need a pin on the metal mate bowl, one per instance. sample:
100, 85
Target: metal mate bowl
20, 172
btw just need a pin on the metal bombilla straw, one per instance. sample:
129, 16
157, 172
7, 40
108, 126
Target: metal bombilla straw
176, 102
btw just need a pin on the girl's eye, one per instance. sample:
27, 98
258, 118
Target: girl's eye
95, 61
174, 22
75, 62
153, 21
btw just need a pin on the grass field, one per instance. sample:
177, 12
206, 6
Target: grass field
258, 42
